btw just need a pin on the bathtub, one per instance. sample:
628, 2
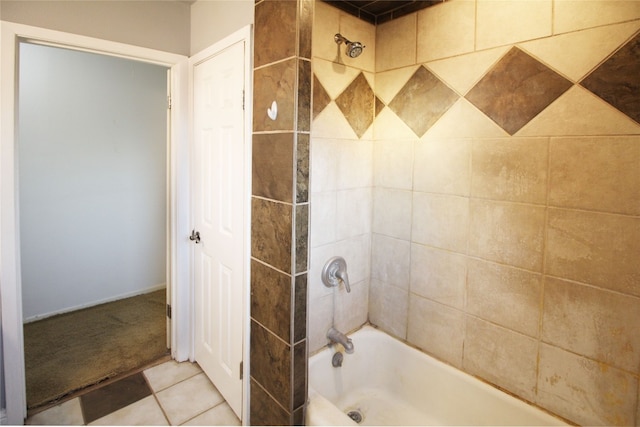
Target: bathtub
390, 383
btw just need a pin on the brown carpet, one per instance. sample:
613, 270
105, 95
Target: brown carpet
70, 351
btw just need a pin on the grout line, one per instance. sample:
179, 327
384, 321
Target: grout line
543, 277
206, 410
153, 393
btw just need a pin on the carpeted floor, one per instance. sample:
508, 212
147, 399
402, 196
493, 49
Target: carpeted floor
68, 352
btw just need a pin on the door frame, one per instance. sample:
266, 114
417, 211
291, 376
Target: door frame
178, 262
243, 35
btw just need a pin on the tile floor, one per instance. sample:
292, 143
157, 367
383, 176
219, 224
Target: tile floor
170, 393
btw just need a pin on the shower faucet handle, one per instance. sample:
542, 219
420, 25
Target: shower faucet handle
334, 272
342, 275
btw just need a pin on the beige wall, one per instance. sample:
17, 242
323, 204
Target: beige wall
161, 25
228, 16
510, 254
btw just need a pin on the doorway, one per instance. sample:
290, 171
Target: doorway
92, 187
178, 246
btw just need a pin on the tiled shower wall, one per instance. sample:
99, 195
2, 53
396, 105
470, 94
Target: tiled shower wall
504, 193
342, 171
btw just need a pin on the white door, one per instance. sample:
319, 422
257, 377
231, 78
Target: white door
219, 218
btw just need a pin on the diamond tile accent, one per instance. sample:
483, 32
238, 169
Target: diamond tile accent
517, 89
379, 106
320, 97
616, 80
422, 101
357, 104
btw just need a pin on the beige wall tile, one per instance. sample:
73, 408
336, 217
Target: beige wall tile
501, 356
442, 166
508, 233
352, 308
392, 213
326, 23
357, 30
437, 329
504, 295
446, 29
594, 248
389, 83
388, 126
396, 43
596, 323
323, 219
440, 221
393, 163
439, 275
320, 320
390, 260
510, 169
357, 252
323, 167
501, 22
355, 164
575, 54
331, 123
584, 391
595, 173
389, 308
463, 120
462, 72
353, 212
572, 15
579, 112
335, 78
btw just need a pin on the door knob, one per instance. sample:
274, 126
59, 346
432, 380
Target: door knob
195, 236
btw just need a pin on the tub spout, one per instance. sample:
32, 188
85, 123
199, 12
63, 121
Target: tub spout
338, 337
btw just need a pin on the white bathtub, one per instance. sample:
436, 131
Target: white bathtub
391, 383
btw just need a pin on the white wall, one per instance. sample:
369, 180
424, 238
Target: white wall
92, 178
161, 25
211, 21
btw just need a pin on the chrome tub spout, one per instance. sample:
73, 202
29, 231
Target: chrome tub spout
338, 337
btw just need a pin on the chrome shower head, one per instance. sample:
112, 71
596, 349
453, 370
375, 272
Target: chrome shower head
354, 49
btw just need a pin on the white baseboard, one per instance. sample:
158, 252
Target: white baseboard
94, 303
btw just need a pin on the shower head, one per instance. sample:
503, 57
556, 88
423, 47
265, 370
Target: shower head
354, 49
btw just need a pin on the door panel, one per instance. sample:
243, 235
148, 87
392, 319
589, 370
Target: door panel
219, 206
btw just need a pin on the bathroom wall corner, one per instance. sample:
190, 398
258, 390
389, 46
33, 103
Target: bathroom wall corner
280, 211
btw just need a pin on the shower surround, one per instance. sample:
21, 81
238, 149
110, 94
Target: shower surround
478, 167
